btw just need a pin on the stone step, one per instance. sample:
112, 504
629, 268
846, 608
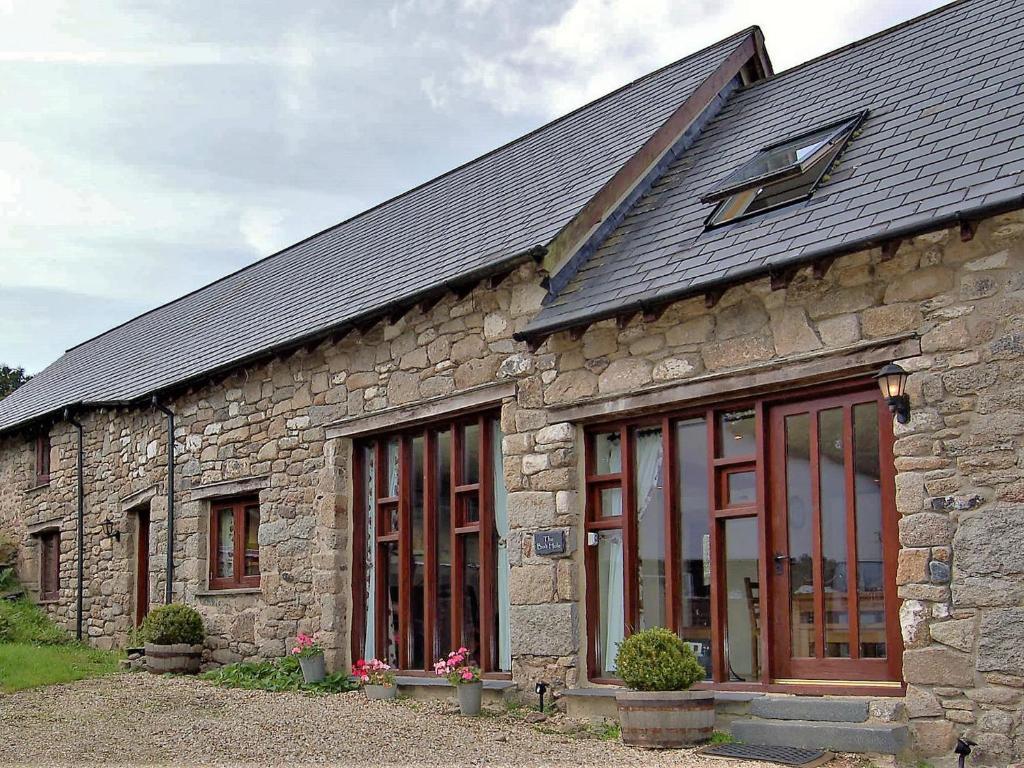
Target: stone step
814, 709
886, 738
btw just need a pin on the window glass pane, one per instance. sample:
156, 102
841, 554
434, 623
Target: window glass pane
799, 512
471, 454
252, 544
650, 504
611, 609
471, 594
390, 596
868, 491
392, 450
444, 541
736, 433
607, 453
741, 489
501, 523
370, 545
417, 598
832, 494
743, 610
695, 614
611, 502
226, 543
832, 475
469, 504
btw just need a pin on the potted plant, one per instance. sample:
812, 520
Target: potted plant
173, 639
311, 658
658, 711
378, 678
461, 673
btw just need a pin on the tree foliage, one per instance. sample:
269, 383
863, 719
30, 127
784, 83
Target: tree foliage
11, 379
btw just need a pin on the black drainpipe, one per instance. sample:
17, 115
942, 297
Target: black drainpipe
81, 523
169, 592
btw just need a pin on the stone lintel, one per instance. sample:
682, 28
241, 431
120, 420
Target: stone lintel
234, 487
799, 369
50, 524
138, 498
425, 410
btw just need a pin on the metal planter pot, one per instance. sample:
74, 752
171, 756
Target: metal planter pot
666, 719
381, 692
313, 669
180, 658
470, 695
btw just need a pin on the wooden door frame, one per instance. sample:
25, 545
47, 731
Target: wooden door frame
783, 665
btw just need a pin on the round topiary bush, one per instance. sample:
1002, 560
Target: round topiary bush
657, 660
173, 624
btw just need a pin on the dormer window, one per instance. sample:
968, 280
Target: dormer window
781, 173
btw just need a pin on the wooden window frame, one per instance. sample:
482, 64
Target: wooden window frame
49, 565
238, 580
484, 527
719, 510
43, 467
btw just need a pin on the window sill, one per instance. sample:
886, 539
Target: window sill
230, 591
37, 487
49, 601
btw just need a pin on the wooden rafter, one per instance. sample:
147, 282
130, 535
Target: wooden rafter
889, 248
967, 229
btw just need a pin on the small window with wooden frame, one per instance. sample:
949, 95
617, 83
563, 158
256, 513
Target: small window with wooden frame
430, 570
43, 458
234, 543
49, 564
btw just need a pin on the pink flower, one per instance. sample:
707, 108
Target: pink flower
296, 650
467, 675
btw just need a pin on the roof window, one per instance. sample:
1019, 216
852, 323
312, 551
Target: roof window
781, 173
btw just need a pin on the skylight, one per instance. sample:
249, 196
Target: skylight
780, 173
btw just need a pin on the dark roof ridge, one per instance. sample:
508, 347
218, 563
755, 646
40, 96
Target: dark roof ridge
855, 44
748, 30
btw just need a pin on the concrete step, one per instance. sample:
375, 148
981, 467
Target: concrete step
884, 738
806, 708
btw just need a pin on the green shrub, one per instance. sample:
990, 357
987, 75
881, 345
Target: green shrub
173, 624
657, 660
27, 624
279, 675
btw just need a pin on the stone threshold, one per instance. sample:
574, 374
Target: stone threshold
609, 693
229, 592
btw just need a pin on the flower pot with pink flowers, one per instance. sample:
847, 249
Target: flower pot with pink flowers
465, 676
377, 677
311, 658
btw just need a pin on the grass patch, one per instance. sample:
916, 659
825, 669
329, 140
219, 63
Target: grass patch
23, 665
23, 622
282, 674
607, 731
721, 737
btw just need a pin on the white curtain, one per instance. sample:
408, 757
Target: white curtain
648, 468
369, 641
501, 524
650, 527
610, 562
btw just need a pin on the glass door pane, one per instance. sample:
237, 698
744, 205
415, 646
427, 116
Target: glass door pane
650, 505
800, 507
743, 596
832, 503
695, 547
868, 493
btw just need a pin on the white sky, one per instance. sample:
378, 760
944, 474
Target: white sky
147, 148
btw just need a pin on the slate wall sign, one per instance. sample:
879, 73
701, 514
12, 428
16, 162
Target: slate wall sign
546, 543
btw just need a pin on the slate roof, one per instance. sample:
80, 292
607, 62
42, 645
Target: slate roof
944, 136
479, 216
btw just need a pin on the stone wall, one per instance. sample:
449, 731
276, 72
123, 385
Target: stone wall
959, 484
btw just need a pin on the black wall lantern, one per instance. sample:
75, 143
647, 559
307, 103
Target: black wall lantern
892, 380
111, 530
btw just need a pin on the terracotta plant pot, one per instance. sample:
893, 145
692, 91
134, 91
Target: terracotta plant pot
470, 695
313, 669
182, 658
380, 691
666, 719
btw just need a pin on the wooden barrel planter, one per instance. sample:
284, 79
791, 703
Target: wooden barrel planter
666, 719
181, 658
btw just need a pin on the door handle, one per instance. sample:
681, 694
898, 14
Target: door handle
780, 559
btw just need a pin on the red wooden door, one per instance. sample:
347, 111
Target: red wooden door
142, 566
833, 540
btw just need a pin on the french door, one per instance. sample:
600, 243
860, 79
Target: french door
833, 542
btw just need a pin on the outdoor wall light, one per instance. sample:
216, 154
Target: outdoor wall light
110, 529
540, 688
892, 380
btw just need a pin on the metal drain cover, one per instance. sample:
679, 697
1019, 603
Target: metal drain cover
782, 755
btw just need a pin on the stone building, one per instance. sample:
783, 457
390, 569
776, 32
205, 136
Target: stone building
618, 373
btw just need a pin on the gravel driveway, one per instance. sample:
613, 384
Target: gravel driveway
139, 719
